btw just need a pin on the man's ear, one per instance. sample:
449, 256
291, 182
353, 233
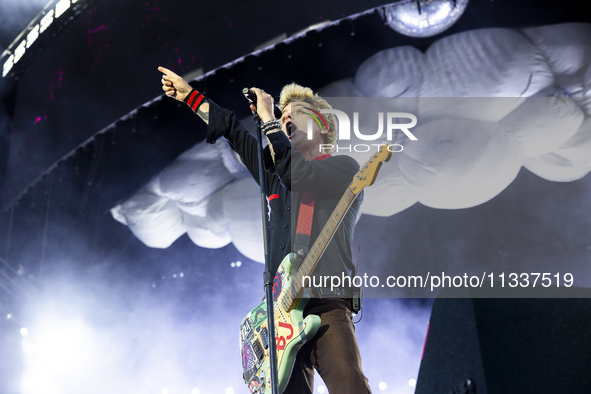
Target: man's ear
324, 135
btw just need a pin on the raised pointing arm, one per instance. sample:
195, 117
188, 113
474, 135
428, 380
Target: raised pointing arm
176, 87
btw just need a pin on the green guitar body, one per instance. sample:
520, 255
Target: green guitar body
291, 328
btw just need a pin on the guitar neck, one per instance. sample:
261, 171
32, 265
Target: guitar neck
318, 248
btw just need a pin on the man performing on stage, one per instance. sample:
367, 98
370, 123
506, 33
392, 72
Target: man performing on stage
295, 164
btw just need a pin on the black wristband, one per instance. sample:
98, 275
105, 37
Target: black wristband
270, 125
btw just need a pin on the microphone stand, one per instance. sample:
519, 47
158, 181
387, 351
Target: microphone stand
268, 275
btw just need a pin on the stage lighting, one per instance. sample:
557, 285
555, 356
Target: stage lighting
20, 51
46, 21
32, 36
7, 66
61, 7
423, 18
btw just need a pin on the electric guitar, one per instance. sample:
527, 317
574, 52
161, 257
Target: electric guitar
291, 328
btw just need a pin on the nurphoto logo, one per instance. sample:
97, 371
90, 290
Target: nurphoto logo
402, 121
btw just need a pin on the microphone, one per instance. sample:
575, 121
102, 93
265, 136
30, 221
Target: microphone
252, 97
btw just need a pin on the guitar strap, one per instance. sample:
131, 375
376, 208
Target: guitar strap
304, 226
305, 215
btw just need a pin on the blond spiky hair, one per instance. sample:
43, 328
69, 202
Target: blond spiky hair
295, 92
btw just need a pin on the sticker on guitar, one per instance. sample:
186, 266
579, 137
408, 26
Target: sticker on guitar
282, 340
248, 357
255, 385
277, 286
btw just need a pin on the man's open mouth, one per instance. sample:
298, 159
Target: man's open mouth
290, 128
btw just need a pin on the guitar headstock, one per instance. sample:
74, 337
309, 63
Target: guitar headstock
366, 176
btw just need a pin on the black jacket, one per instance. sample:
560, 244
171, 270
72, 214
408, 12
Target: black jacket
291, 175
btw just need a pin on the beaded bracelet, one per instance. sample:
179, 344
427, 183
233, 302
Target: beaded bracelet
270, 125
194, 99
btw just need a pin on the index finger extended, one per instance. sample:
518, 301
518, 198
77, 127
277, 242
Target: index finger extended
167, 72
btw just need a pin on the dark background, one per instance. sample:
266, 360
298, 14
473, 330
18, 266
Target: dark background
83, 126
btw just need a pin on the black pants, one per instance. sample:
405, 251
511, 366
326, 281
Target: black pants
333, 352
